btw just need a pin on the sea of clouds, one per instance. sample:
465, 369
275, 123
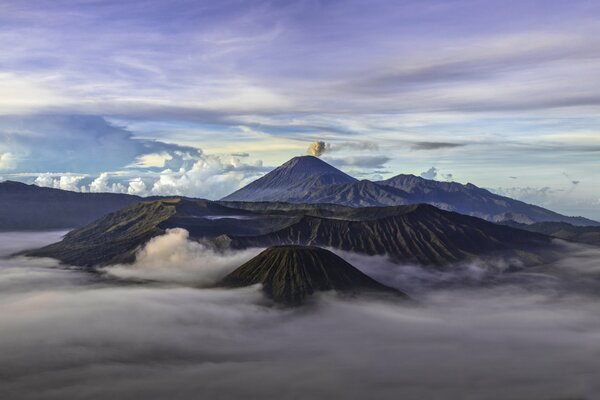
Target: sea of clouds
156, 330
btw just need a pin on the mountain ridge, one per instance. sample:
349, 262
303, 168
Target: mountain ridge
401, 189
31, 207
420, 234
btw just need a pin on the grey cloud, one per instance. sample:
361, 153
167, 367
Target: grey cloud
435, 145
78, 143
360, 161
357, 145
240, 155
431, 173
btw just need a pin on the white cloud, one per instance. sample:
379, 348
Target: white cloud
137, 187
7, 161
210, 177
173, 257
102, 184
65, 182
20, 93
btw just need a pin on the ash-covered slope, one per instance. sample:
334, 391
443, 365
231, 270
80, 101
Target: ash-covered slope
289, 274
292, 180
420, 234
30, 207
115, 237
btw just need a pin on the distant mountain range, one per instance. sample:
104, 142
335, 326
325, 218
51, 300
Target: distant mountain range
308, 179
30, 207
562, 230
419, 234
290, 274
302, 180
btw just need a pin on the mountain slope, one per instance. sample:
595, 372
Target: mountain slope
419, 234
310, 180
471, 200
294, 179
116, 237
289, 274
30, 207
562, 230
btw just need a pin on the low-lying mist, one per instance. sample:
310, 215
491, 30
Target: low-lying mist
69, 334
172, 257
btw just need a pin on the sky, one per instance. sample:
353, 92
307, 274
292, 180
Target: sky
200, 97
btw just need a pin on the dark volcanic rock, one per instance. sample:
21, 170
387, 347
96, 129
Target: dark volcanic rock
419, 234
289, 274
294, 179
116, 237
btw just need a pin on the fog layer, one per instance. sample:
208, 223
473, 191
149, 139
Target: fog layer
67, 334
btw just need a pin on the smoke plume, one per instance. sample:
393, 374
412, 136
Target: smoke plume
317, 148
174, 258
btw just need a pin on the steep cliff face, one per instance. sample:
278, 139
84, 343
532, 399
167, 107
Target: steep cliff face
289, 274
421, 234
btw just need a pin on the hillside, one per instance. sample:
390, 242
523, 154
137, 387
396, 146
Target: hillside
115, 237
310, 180
30, 207
289, 274
419, 234
562, 230
471, 200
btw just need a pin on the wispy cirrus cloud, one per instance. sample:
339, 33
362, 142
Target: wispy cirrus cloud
267, 78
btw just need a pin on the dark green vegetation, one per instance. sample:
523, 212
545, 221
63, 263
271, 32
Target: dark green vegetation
419, 234
310, 180
289, 274
29, 207
562, 230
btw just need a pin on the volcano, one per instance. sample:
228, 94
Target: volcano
295, 179
289, 274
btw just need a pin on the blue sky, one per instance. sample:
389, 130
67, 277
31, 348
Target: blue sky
200, 97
